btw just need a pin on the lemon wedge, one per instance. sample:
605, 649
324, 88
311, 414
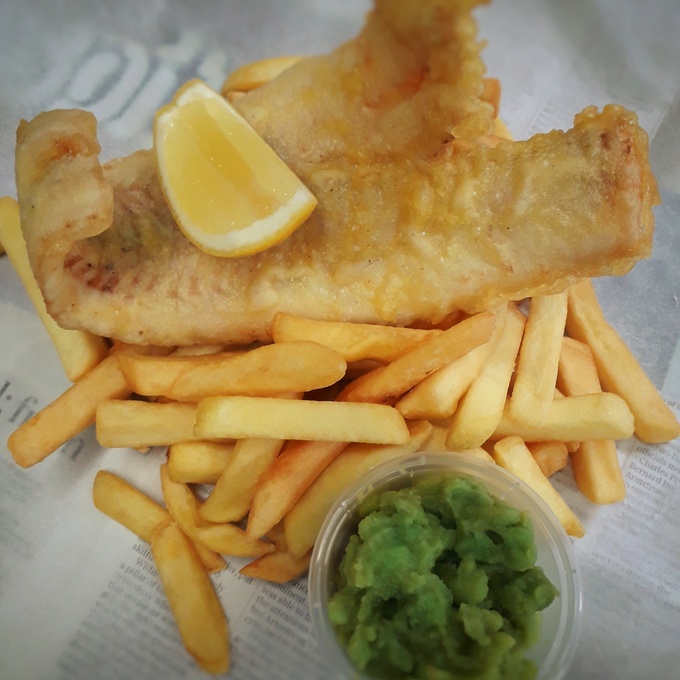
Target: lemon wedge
229, 192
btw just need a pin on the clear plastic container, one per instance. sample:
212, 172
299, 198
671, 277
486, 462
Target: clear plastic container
561, 621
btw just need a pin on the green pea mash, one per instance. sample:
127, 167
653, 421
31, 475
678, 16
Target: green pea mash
440, 583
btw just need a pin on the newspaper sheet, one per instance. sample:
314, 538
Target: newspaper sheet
79, 597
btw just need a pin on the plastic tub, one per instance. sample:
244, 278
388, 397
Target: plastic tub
560, 626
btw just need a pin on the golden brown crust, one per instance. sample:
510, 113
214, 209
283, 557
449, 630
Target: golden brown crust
415, 222
63, 196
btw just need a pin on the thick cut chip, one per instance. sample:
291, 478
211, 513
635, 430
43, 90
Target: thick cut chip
228, 539
577, 372
223, 538
354, 341
438, 395
127, 505
403, 373
303, 521
436, 441
79, 351
574, 419
198, 462
192, 597
276, 418
139, 513
229, 192
281, 565
151, 375
278, 566
140, 424
69, 414
595, 462
512, 454
266, 371
536, 371
286, 479
180, 501
480, 410
619, 371
550, 456
230, 499
597, 471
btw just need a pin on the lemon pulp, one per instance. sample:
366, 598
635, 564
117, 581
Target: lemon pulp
227, 189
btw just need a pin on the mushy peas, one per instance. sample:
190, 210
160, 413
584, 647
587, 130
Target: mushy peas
440, 582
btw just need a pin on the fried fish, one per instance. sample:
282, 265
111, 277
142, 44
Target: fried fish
418, 216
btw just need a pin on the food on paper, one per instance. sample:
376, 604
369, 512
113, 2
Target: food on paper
594, 462
437, 396
618, 369
127, 505
69, 414
139, 513
137, 424
427, 217
264, 371
536, 371
278, 566
440, 577
587, 416
331, 421
198, 462
408, 370
232, 496
192, 597
418, 216
78, 351
512, 454
481, 408
229, 192
550, 456
303, 520
354, 341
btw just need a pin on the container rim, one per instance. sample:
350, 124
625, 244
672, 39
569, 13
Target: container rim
556, 546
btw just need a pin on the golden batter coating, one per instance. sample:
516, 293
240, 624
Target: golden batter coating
418, 217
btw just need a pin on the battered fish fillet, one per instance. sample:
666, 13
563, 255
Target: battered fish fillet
417, 217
